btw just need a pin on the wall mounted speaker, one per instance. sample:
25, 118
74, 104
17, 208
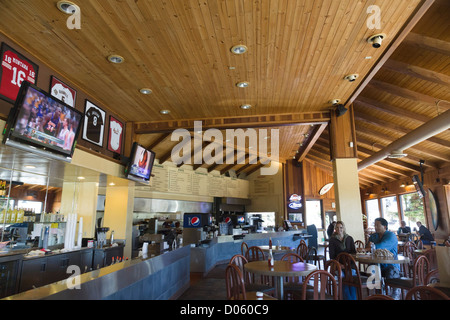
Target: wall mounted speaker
341, 110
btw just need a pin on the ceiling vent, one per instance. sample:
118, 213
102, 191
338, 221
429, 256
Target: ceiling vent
395, 154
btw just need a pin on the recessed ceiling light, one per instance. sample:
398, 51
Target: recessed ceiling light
81, 178
239, 49
242, 84
246, 106
164, 111
30, 167
145, 91
114, 58
112, 184
68, 7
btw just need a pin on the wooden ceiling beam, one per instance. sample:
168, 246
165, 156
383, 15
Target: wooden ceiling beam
417, 72
408, 94
314, 134
428, 43
272, 120
382, 146
366, 118
363, 102
163, 137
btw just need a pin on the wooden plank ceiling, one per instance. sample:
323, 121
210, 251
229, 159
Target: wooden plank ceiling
298, 55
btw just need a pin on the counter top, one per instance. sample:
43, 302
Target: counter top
103, 282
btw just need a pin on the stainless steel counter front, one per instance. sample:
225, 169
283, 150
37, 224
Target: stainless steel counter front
161, 277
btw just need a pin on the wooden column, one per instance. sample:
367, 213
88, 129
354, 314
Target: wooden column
345, 172
293, 184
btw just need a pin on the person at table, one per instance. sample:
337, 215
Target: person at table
339, 242
424, 233
331, 228
385, 239
403, 228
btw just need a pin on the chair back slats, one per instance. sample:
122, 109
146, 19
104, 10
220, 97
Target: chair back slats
359, 244
239, 261
292, 258
302, 250
234, 283
334, 268
255, 253
324, 284
351, 276
244, 248
421, 268
425, 293
432, 277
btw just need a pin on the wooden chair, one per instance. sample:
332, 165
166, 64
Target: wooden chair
359, 244
352, 276
235, 286
244, 248
302, 250
240, 261
379, 297
334, 267
420, 271
324, 286
292, 284
408, 252
432, 258
426, 293
432, 277
255, 253
315, 258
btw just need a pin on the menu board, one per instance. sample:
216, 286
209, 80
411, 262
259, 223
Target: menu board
160, 180
200, 184
182, 181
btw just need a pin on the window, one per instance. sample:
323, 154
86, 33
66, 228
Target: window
36, 205
372, 211
389, 210
314, 212
412, 209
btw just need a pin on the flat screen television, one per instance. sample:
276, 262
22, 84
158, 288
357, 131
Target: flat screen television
419, 187
140, 164
42, 124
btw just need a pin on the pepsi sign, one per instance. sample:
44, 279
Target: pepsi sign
228, 220
241, 220
192, 221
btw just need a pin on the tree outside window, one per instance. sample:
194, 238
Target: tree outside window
412, 209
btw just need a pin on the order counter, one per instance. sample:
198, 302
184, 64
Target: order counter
221, 249
165, 276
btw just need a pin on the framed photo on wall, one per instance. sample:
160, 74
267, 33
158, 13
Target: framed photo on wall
94, 124
115, 135
15, 69
62, 91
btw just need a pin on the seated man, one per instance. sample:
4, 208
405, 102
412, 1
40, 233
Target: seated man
403, 228
385, 239
424, 233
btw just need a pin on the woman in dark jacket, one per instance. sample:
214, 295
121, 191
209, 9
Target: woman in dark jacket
340, 241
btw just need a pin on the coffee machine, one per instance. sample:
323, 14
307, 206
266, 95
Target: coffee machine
19, 233
100, 234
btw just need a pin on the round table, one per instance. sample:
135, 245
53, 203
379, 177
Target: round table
280, 270
275, 249
372, 259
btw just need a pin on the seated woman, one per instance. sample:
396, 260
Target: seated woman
339, 242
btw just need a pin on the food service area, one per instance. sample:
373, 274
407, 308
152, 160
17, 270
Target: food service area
125, 175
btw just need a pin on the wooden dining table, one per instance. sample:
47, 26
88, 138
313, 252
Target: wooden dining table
279, 271
278, 249
378, 260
